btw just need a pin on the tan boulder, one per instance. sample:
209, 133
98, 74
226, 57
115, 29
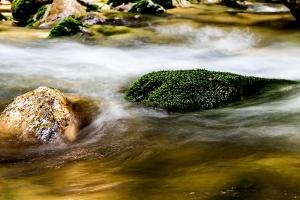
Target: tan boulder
61, 9
44, 115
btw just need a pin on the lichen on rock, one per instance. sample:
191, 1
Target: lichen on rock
190, 90
43, 115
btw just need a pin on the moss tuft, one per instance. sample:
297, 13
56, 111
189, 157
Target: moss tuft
34, 19
92, 8
69, 26
147, 7
189, 90
41, 11
89, 6
22, 10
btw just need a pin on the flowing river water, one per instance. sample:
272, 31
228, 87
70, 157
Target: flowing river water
248, 150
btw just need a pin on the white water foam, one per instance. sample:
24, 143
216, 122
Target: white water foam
102, 71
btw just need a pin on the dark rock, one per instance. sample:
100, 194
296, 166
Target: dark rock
22, 10
294, 6
147, 7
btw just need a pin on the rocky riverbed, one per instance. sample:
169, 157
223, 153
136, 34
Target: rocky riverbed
246, 149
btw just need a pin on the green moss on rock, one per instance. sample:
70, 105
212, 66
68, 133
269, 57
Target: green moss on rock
22, 10
147, 7
92, 8
69, 26
41, 11
164, 3
34, 19
189, 90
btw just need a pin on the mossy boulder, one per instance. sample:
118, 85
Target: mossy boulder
22, 10
147, 7
190, 90
68, 27
165, 3
45, 115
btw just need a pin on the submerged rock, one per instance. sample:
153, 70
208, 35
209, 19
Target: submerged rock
69, 26
44, 115
124, 7
108, 30
128, 19
92, 19
189, 90
139, 6
147, 7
